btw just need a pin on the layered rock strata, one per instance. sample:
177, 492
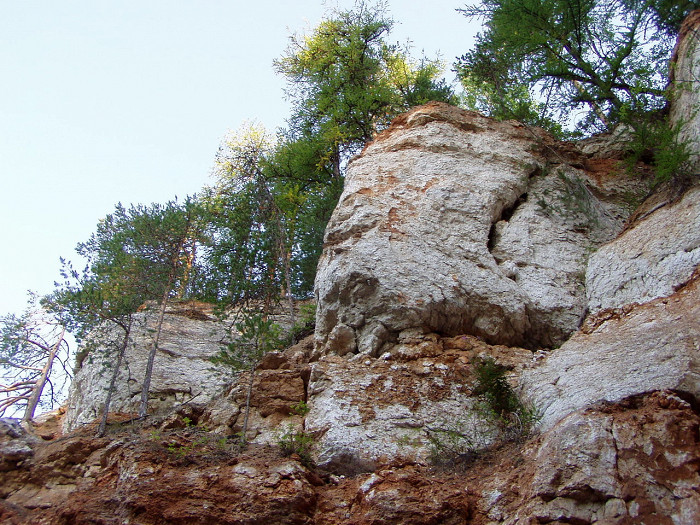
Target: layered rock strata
630, 462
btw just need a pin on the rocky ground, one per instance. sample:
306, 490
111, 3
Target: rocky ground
630, 462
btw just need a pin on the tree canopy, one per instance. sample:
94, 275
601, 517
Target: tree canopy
346, 81
595, 60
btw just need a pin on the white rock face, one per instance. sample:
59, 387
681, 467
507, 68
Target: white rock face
354, 432
453, 223
365, 410
182, 367
650, 260
648, 347
685, 74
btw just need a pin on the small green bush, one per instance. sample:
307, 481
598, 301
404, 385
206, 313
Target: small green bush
304, 326
298, 442
656, 142
300, 409
498, 416
499, 402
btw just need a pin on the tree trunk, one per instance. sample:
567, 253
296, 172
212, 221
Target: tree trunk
143, 407
189, 264
41, 382
335, 160
288, 278
593, 105
247, 404
113, 381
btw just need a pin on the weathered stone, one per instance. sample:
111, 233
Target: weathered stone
279, 386
182, 370
653, 346
365, 411
15, 444
643, 290
454, 223
632, 460
651, 259
577, 461
685, 72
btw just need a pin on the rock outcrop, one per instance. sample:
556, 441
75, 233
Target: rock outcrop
630, 462
364, 411
685, 78
653, 258
183, 372
453, 223
620, 353
457, 240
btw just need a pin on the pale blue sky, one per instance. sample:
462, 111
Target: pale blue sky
127, 100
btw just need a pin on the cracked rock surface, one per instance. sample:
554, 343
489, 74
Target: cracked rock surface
454, 223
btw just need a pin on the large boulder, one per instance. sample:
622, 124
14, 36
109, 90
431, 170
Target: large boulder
453, 223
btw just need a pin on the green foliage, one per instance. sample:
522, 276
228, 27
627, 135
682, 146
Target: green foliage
297, 442
136, 254
267, 214
300, 409
500, 403
303, 326
495, 84
498, 416
257, 336
453, 445
493, 387
656, 142
594, 57
346, 81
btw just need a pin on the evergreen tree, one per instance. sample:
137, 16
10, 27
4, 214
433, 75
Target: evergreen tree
608, 58
346, 81
30, 346
137, 254
258, 336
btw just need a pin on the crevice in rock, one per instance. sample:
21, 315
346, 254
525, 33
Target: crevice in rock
305, 377
689, 398
506, 215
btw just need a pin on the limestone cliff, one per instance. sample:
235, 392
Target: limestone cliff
454, 223
183, 372
457, 240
